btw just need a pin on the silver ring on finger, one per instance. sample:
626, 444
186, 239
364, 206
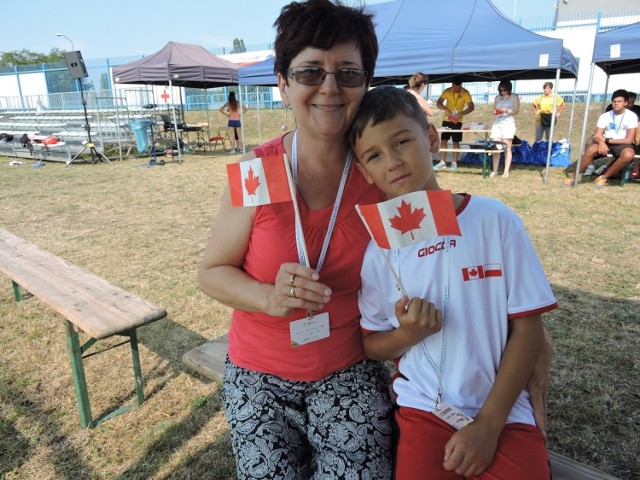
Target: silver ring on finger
292, 280
293, 292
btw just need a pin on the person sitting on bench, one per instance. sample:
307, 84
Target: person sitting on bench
615, 133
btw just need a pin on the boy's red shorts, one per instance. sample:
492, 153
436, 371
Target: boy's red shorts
521, 452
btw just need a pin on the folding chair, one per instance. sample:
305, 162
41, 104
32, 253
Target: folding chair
219, 138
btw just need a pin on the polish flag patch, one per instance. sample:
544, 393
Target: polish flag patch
259, 181
482, 271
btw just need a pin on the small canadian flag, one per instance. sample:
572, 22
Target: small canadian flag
482, 271
259, 181
410, 218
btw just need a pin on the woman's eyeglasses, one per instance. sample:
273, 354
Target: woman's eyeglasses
501, 90
345, 77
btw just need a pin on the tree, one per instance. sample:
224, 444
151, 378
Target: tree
238, 46
27, 57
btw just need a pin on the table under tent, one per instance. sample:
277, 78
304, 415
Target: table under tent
179, 65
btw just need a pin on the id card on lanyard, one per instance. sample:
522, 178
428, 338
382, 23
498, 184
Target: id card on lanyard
313, 327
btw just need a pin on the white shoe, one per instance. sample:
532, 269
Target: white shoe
589, 171
600, 170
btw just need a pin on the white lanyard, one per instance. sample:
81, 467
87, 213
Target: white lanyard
334, 213
439, 371
613, 117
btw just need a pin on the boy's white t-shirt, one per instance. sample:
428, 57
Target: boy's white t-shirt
616, 126
494, 277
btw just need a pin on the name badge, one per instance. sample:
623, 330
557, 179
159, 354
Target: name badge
309, 329
612, 125
451, 415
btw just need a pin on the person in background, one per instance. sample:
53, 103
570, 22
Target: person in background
544, 105
232, 110
301, 403
491, 323
631, 105
505, 108
417, 83
456, 102
615, 133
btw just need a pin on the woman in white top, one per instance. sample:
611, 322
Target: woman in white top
416, 85
505, 107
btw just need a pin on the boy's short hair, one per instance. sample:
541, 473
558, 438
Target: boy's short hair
382, 104
620, 93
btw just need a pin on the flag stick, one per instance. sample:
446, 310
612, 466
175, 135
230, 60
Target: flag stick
386, 260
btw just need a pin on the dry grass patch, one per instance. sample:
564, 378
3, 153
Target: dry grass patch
145, 230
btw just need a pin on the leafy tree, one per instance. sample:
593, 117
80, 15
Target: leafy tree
27, 57
238, 46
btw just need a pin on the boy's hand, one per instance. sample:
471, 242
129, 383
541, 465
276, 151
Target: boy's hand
418, 318
470, 450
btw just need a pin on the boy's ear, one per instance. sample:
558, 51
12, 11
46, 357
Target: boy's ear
364, 173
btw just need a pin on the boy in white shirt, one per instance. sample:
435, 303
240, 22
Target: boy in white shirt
615, 134
472, 331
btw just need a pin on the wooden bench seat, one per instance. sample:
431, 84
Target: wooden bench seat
87, 302
208, 360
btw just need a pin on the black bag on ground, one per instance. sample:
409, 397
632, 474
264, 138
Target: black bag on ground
545, 119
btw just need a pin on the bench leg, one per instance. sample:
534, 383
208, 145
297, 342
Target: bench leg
17, 291
79, 380
137, 371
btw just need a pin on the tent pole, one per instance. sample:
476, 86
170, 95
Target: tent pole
175, 124
573, 108
586, 109
553, 124
584, 124
259, 123
206, 100
244, 147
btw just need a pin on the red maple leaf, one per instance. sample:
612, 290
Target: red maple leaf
408, 220
251, 183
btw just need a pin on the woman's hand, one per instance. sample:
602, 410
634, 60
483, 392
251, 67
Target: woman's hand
297, 286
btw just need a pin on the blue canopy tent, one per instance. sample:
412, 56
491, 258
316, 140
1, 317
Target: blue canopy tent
614, 51
478, 43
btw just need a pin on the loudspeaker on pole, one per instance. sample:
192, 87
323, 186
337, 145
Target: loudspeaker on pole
75, 64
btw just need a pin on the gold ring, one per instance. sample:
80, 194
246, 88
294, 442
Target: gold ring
293, 292
292, 279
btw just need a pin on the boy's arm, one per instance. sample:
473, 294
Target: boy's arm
418, 319
470, 450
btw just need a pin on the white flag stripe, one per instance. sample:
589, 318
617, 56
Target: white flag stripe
261, 196
427, 228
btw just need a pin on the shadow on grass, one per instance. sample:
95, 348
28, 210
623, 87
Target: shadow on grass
15, 449
596, 360
213, 461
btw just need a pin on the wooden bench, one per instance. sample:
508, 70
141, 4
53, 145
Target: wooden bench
208, 360
88, 303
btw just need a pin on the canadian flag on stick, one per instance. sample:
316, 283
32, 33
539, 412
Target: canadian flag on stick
410, 218
259, 181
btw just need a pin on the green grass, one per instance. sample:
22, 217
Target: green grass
145, 230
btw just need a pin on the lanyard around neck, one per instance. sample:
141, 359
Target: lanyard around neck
334, 214
438, 369
613, 117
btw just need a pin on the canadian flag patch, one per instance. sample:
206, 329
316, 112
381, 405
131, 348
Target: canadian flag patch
482, 271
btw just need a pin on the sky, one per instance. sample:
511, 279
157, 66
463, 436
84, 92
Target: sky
123, 28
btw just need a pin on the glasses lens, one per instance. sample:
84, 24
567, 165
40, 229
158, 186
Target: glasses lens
351, 77
345, 77
308, 75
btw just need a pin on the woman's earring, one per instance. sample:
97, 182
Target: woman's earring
284, 123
